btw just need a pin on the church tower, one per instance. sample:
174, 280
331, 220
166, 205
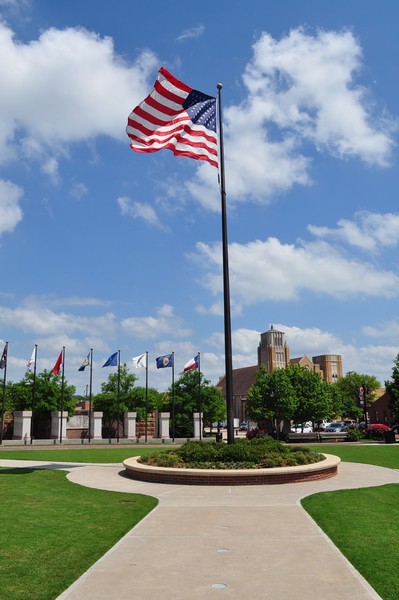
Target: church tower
273, 351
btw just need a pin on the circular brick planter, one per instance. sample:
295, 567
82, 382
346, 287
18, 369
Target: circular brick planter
322, 470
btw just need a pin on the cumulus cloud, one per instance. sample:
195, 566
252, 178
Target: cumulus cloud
276, 271
68, 85
139, 210
165, 322
367, 231
10, 210
301, 88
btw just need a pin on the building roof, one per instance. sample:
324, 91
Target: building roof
243, 380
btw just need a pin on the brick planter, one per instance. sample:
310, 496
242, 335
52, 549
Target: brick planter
277, 475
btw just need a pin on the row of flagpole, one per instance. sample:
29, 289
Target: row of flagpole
167, 360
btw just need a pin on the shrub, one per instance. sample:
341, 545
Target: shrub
376, 431
256, 432
260, 452
354, 435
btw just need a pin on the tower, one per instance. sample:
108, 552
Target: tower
273, 351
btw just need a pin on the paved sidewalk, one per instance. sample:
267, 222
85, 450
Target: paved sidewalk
222, 542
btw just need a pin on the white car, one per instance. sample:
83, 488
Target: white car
299, 428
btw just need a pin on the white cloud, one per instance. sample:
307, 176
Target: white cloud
68, 85
10, 210
191, 33
139, 210
300, 88
164, 323
272, 270
78, 190
368, 231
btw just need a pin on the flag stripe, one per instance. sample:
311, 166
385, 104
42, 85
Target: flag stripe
175, 117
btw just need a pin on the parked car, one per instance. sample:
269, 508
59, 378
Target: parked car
336, 427
243, 426
299, 428
395, 427
350, 423
322, 425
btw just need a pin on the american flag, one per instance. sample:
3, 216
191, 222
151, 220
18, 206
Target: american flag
177, 117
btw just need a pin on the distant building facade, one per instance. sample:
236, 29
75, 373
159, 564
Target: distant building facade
274, 353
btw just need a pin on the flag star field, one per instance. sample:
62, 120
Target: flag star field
110, 249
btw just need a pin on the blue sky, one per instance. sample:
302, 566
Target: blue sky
102, 247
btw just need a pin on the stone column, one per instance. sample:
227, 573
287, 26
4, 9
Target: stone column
55, 423
130, 424
198, 424
164, 425
22, 421
97, 425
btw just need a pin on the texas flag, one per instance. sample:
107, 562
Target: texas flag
191, 364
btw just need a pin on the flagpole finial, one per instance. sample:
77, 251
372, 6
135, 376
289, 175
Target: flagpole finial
219, 86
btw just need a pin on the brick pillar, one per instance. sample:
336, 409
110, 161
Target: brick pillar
97, 425
56, 421
198, 424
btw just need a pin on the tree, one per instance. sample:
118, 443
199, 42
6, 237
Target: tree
131, 398
272, 397
186, 401
392, 388
313, 395
47, 393
348, 392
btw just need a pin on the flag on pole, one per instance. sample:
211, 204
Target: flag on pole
164, 361
32, 359
191, 364
57, 366
112, 361
3, 360
176, 117
140, 361
85, 363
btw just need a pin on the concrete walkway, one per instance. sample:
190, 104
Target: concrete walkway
222, 542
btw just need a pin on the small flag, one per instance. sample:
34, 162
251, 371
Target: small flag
164, 361
3, 360
112, 361
85, 363
32, 359
191, 364
177, 117
56, 368
140, 361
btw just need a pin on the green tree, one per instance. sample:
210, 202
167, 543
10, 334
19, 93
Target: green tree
272, 397
131, 398
392, 388
48, 390
186, 402
348, 391
313, 395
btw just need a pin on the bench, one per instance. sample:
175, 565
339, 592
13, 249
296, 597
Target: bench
331, 436
303, 437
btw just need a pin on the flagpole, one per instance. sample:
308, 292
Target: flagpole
226, 284
199, 395
3, 402
62, 390
90, 390
173, 396
146, 395
33, 397
119, 396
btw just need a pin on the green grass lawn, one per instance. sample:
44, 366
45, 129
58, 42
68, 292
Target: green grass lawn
52, 530
382, 455
364, 525
90, 455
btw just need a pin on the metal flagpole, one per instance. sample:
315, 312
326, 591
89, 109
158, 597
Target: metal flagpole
173, 396
90, 390
33, 397
226, 284
62, 390
3, 402
146, 394
199, 396
119, 396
